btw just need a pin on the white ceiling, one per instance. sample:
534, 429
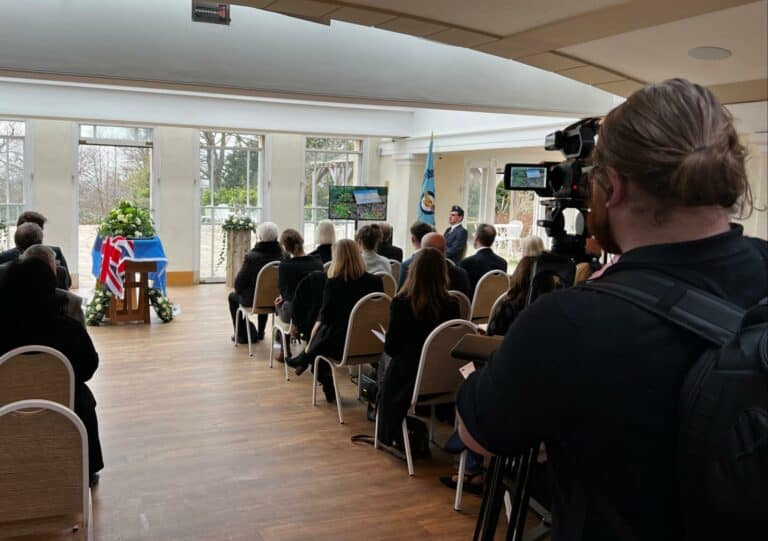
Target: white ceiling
500, 17
272, 54
661, 52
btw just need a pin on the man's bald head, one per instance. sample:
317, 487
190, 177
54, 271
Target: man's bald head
434, 240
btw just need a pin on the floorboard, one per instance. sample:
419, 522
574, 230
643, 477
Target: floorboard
203, 442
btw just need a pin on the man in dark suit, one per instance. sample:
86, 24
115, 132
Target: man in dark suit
63, 279
385, 247
484, 259
458, 279
418, 231
456, 235
30, 234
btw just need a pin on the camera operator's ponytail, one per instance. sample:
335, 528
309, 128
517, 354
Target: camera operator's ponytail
677, 143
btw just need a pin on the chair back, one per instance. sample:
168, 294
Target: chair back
465, 306
438, 372
496, 306
390, 286
43, 467
369, 313
36, 373
395, 265
515, 229
326, 266
266, 288
489, 287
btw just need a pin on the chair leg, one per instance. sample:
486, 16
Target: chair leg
431, 423
237, 324
314, 383
285, 364
407, 445
336, 390
376, 431
248, 332
460, 481
359, 380
272, 347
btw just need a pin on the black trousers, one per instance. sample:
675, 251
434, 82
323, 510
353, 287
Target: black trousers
85, 408
242, 336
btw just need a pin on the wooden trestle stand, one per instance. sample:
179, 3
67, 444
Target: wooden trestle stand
134, 306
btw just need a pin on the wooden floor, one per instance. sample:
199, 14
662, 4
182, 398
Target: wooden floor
203, 442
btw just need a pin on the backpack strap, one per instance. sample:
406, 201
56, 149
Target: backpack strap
708, 316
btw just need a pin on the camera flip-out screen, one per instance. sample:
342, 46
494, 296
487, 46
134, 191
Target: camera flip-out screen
525, 177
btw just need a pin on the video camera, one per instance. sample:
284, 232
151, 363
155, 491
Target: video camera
564, 185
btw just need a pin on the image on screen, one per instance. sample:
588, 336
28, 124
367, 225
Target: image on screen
357, 203
529, 177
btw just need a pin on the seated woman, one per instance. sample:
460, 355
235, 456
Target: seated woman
265, 251
292, 270
421, 305
325, 236
347, 283
30, 314
514, 302
368, 238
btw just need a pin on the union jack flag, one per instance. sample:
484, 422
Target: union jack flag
114, 252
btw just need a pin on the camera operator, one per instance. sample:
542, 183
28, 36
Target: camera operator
597, 378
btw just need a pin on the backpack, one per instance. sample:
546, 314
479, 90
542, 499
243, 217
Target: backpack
723, 431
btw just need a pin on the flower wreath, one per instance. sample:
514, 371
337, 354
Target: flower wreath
97, 308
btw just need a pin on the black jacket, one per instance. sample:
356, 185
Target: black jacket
324, 251
63, 280
598, 380
391, 252
245, 281
293, 270
479, 264
458, 279
405, 338
307, 301
455, 243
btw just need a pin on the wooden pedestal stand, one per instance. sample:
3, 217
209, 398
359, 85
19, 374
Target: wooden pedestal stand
238, 244
134, 305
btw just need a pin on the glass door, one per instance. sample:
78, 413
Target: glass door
230, 182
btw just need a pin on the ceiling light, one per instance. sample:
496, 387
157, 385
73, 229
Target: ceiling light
709, 53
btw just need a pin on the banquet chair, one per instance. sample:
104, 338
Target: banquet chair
283, 329
465, 306
36, 373
395, 265
264, 296
43, 471
361, 345
390, 285
489, 287
438, 377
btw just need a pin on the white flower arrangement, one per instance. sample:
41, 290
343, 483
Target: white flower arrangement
234, 222
97, 308
127, 219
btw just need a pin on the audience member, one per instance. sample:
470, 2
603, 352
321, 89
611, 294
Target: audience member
30, 314
70, 304
386, 248
456, 235
347, 283
30, 234
418, 230
597, 378
532, 246
306, 304
292, 270
368, 238
484, 259
266, 250
421, 305
31, 217
325, 236
458, 279
514, 301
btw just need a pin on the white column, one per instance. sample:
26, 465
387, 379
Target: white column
284, 174
405, 174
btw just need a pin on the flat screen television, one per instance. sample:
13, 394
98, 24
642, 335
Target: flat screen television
365, 203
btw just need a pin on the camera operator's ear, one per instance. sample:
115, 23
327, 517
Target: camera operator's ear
616, 189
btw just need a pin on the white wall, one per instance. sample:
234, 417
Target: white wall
284, 175
53, 188
757, 170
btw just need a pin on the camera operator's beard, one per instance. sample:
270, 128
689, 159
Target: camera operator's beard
599, 224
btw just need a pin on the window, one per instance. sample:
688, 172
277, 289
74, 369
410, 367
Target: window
328, 162
515, 214
230, 181
11, 177
114, 163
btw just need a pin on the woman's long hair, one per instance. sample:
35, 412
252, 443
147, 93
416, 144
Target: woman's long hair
426, 285
346, 263
520, 283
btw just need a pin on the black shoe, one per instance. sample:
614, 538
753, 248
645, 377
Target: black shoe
330, 394
242, 340
261, 335
299, 361
93, 480
473, 483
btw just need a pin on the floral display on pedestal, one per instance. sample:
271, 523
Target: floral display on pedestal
234, 222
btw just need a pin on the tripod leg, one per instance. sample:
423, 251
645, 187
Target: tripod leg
493, 500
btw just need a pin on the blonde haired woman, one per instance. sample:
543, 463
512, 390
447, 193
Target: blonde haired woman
532, 246
347, 283
325, 236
